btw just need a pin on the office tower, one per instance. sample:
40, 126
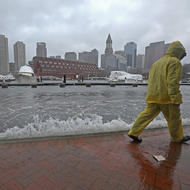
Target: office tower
12, 67
58, 57
19, 55
109, 49
108, 55
89, 57
71, 56
84, 56
131, 53
94, 56
55, 57
120, 52
140, 61
166, 47
4, 55
153, 52
41, 50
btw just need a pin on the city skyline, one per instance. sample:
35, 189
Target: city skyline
67, 26
63, 54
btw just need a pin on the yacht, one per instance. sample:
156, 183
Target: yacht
26, 75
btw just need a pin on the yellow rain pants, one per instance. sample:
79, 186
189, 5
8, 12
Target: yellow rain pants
171, 113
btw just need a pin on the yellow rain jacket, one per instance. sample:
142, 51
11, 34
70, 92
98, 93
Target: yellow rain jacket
164, 77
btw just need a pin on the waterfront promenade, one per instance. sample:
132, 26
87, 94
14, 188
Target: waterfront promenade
103, 162
87, 83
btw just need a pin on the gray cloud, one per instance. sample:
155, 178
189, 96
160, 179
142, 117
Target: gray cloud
79, 25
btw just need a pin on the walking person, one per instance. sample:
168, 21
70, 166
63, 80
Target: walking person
163, 95
64, 79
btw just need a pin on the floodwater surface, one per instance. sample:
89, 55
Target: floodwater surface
50, 110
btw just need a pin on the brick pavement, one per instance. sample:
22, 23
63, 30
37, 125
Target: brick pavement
109, 162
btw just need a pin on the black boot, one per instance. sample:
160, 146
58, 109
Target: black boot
185, 139
135, 139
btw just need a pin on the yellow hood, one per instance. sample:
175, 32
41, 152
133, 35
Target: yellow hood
176, 49
164, 77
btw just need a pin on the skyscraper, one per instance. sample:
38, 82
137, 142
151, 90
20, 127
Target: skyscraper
108, 60
19, 55
58, 56
41, 50
84, 56
4, 55
140, 61
120, 52
166, 47
94, 56
131, 53
109, 49
71, 56
153, 52
89, 57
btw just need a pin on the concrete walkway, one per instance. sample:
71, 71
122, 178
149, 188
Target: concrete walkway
109, 162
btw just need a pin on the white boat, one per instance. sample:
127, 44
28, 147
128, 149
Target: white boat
26, 75
122, 76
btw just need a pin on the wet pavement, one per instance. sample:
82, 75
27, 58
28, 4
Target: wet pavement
110, 162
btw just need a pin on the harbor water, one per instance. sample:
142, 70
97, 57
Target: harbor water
51, 111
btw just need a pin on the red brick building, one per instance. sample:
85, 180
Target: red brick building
59, 67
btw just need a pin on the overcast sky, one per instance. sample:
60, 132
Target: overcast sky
82, 25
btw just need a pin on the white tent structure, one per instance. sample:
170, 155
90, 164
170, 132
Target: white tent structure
119, 76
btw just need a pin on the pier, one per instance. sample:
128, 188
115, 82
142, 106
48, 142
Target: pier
86, 83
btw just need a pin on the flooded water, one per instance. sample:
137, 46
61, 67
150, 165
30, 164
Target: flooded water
50, 110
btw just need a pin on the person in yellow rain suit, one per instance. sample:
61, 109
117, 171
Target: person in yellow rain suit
163, 95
